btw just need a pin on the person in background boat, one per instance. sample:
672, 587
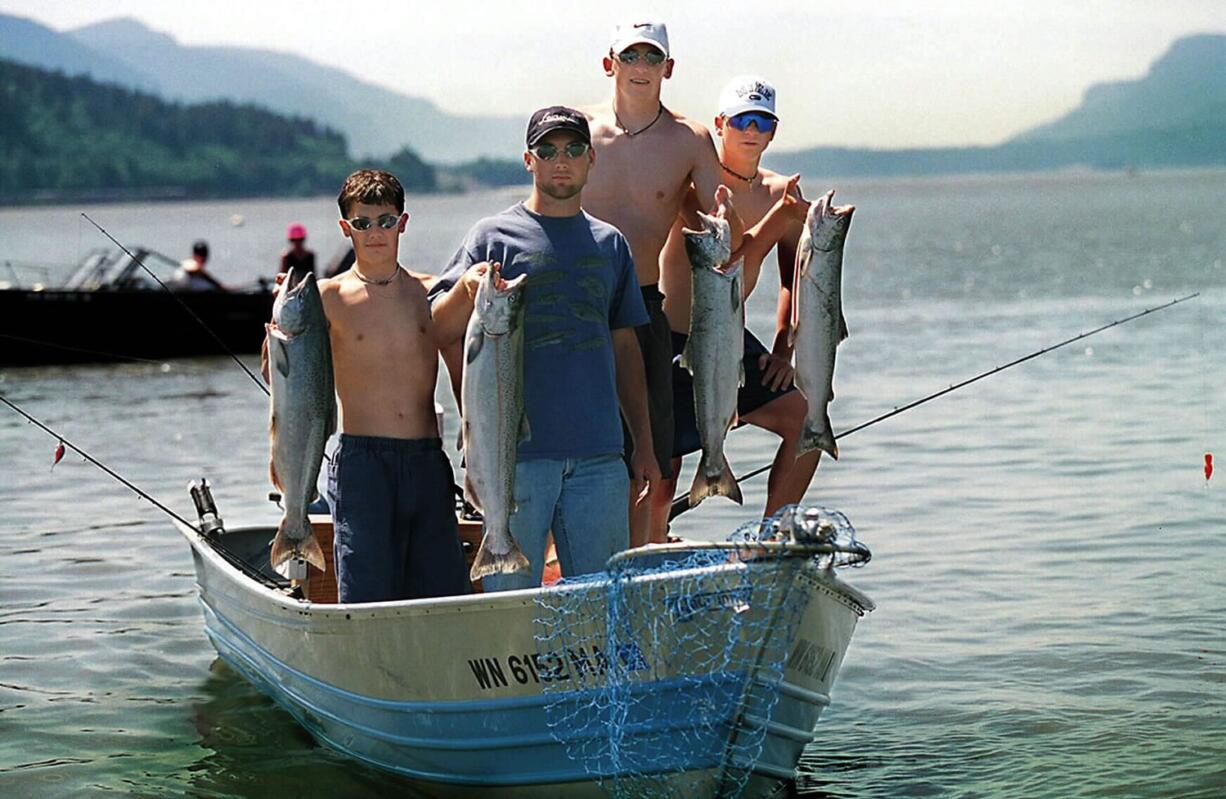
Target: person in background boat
772, 205
581, 355
389, 482
297, 256
649, 158
192, 274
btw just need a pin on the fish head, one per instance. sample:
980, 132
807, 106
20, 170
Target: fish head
500, 310
827, 223
711, 246
298, 305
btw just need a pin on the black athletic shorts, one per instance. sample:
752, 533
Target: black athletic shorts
749, 398
655, 339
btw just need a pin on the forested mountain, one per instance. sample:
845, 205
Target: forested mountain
376, 121
64, 136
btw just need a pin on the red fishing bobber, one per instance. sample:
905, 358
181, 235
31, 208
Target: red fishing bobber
59, 454
1208, 465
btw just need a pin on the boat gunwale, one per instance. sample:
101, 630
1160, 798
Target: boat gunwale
855, 599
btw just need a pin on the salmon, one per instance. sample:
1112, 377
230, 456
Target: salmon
818, 325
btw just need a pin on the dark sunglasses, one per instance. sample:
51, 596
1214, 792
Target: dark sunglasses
548, 152
653, 57
387, 222
765, 122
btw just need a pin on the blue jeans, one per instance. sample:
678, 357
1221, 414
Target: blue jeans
585, 501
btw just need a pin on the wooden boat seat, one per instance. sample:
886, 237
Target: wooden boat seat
321, 586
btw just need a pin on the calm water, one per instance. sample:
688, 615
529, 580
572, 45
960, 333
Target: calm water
1049, 558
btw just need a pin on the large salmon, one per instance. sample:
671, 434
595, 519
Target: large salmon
303, 412
713, 352
817, 316
494, 422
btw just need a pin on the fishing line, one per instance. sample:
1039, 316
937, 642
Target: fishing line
231, 557
96, 462
179, 300
111, 355
681, 503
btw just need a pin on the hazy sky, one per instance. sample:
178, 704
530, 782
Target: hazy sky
888, 73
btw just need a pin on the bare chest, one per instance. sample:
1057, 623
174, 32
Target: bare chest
381, 323
637, 178
751, 203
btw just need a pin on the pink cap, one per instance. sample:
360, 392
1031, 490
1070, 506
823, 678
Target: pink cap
296, 230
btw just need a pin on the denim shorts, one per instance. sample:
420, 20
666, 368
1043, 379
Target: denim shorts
393, 513
585, 501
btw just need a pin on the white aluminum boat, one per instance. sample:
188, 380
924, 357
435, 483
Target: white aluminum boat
696, 677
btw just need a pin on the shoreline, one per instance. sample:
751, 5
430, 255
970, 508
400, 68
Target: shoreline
173, 194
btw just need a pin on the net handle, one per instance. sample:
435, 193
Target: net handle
778, 548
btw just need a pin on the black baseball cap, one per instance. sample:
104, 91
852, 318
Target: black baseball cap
557, 117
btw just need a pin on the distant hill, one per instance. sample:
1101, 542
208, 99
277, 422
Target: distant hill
1185, 88
27, 42
64, 137
1175, 116
375, 121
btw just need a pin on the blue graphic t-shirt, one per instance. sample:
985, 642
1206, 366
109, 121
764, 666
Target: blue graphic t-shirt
581, 285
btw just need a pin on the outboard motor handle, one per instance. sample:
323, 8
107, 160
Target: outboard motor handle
202, 497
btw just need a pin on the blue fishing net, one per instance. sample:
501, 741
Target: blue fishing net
663, 671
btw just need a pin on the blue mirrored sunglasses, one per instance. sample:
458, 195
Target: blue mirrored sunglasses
765, 122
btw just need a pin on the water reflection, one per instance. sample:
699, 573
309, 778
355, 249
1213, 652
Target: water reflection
254, 749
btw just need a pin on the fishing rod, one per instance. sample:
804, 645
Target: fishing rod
179, 300
681, 503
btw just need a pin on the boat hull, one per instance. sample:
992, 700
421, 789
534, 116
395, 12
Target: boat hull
58, 326
457, 693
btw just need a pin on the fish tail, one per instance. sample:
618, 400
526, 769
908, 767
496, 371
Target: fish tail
489, 562
721, 484
816, 436
285, 546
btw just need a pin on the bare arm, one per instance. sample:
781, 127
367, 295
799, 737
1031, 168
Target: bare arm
777, 370
264, 358
451, 311
276, 289
781, 224
453, 356
788, 245
632, 395
712, 196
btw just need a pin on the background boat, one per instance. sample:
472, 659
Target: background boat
110, 309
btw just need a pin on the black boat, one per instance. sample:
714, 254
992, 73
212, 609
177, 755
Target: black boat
110, 309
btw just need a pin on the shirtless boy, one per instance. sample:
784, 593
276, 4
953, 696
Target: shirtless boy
744, 128
649, 159
389, 483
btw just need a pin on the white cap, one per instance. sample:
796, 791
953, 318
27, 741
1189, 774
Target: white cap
747, 93
628, 34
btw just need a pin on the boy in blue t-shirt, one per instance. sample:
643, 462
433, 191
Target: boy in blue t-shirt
581, 356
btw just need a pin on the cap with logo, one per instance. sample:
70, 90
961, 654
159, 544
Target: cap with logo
628, 34
747, 93
557, 117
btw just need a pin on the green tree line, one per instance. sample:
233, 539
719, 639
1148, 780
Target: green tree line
63, 136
